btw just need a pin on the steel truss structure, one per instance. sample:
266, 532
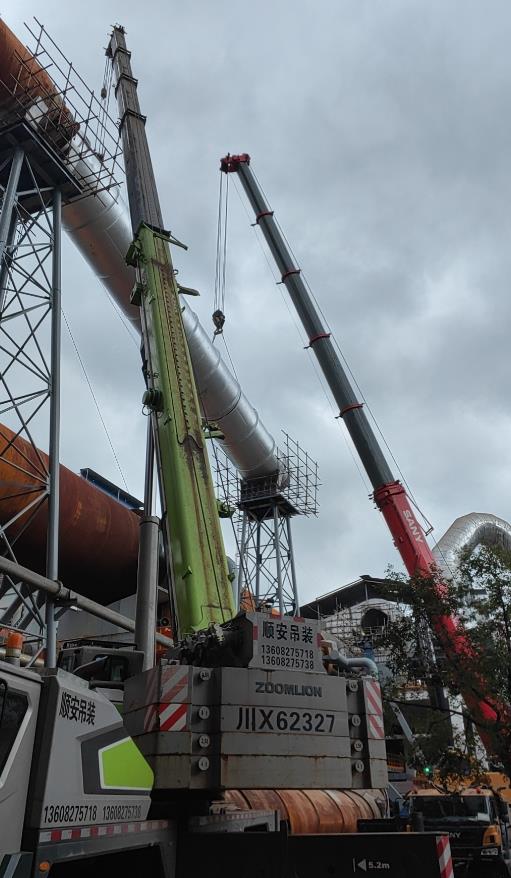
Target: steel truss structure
56, 144
30, 231
264, 508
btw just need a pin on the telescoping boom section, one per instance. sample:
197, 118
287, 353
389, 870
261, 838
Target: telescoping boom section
202, 590
389, 494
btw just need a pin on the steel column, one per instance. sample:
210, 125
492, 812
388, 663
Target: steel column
147, 578
292, 566
52, 551
9, 200
258, 563
241, 576
147, 587
278, 559
6, 259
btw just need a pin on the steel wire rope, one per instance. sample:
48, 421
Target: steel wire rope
429, 526
224, 254
219, 305
218, 245
102, 115
120, 315
94, 398
221, 260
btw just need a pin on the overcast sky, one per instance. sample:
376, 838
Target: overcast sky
381, 133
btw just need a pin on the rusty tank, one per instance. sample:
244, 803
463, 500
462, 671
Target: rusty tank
313, 811
98, 535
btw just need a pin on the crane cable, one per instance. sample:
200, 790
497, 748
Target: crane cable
221, 258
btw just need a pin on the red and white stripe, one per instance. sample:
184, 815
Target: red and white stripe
443, 849
375, 727
372, 697
174, 683
374, 709
173, 717
164, 692
102, 831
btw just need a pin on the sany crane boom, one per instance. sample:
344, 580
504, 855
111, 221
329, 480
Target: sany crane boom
389, 494
201, 586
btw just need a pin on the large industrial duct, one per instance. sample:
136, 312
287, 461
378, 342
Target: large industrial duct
98, 223
466, 534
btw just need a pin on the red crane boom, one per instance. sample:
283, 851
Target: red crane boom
389, 494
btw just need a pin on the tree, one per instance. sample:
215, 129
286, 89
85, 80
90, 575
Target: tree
480, 598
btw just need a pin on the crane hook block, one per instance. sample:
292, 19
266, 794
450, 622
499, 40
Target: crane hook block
219, 320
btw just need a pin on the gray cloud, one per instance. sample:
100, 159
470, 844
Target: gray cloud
381, 134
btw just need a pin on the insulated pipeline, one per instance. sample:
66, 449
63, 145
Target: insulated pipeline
466, 534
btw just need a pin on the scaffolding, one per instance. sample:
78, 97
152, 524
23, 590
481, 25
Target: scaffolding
57, 144
360, 628
263, 509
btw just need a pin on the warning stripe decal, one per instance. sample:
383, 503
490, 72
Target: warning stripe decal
174, 683
374, 710
104, 830
375, 727
372, 693
173, 716
443, 849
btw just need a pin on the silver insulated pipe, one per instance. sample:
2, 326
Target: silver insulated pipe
465, 534
100, 227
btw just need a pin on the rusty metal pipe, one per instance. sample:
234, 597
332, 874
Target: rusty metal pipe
313, 811
98, 536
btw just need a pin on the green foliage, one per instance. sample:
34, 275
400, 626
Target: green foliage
480, 598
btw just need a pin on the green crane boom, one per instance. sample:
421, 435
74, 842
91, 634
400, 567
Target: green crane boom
202, 589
